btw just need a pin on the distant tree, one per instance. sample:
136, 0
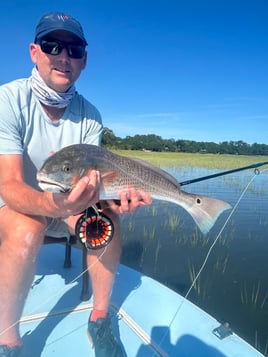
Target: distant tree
154, 142
108, 138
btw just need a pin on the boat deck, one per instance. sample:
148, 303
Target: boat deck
144, 314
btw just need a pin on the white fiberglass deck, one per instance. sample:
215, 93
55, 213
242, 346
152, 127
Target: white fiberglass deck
144, 314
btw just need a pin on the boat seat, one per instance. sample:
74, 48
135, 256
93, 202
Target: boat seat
68, 260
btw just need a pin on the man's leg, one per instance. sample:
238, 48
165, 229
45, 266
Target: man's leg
102, 263
20, 240
102, 266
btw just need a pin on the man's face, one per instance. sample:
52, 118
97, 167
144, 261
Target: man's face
58, 71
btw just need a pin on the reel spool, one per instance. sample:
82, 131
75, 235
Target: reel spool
94, 229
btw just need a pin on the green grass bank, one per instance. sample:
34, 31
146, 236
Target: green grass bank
173, 159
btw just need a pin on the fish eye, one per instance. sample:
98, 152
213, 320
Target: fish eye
66, 168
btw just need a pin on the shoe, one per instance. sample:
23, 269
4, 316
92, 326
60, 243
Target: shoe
102, 338
9, 351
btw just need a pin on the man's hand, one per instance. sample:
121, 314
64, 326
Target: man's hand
130, 200
84, 194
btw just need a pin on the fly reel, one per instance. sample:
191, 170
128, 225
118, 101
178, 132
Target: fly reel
94, 229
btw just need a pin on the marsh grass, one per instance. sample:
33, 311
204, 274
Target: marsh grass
258, 344
173, 223
221, 263
212, 161
149, 232
201, 285
193, 278
253, 296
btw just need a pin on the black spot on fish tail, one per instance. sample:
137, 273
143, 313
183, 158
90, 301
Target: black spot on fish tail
206, 210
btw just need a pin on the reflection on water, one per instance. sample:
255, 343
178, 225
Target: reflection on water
163, 241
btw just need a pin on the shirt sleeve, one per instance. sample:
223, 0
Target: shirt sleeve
10, 123
94, 125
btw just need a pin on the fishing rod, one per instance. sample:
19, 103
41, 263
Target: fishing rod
253, 166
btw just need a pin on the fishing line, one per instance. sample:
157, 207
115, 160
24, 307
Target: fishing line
62, 290
184, 298
218, 236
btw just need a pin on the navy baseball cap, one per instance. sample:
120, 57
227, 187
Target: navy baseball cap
59, 21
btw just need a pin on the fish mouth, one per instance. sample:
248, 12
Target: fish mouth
53, 186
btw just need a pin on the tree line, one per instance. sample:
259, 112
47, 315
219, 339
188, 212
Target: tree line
156, 143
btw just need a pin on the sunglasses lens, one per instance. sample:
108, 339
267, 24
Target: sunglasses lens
76, 51
51, 48
54, 48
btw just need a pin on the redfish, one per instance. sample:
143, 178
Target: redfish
61, 171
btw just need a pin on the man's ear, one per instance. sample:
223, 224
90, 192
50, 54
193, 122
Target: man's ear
85, 60
33, 52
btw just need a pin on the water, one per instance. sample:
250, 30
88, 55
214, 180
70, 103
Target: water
163, 242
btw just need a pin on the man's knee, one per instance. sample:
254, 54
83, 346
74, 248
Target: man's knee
21, 231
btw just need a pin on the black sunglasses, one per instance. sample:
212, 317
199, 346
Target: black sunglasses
55, 47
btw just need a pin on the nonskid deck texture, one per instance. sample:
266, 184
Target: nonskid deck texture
144, 316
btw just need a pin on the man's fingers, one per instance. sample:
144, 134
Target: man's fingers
78, 189
124, 198
87, 182
130, 200
144, 197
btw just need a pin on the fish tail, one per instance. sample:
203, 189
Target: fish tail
206, 210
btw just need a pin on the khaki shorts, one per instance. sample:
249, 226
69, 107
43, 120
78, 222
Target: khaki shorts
57, 228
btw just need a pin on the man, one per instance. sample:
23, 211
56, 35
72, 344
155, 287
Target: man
40, 115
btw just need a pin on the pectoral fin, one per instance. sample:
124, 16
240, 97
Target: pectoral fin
108, 178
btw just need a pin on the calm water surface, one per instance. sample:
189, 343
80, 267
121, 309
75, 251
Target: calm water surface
163, 241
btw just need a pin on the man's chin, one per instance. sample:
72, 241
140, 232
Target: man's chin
62, 85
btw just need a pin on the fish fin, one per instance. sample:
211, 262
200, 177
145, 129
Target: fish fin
109, 177
206, 210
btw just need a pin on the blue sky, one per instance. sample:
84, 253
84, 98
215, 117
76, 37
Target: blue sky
191, 69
